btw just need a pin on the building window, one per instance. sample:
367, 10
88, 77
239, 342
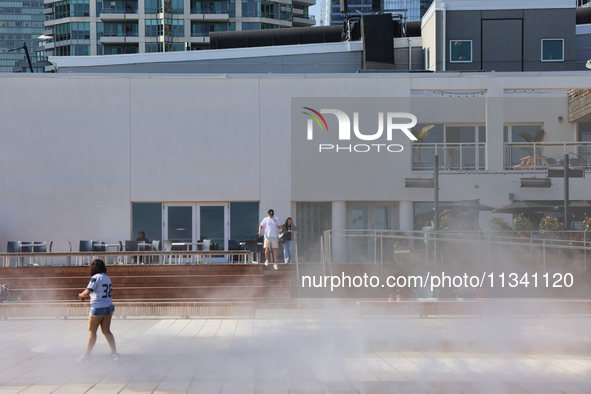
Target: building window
202, 29
80, 50
151, 47
177, 47
147, 217
80, 30
553, 50
178, 28
62, 32
151, 29
178, 7
153, 6
244, 216
460, 51
251, 26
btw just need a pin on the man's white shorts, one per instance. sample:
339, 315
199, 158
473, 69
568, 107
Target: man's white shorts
271, 242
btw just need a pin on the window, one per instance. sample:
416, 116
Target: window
244, 216
153, 6
147, 217
177, 47
460, 51
151, 47
178, 7
553, 50
517, 139
80, 50
178, 28
251, 26
151, 29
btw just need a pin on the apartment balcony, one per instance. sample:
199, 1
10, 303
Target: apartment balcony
539, 156
48, 32
119, 38
210, 17
452, 157
303, 20
48, 11
119, 11
306, 3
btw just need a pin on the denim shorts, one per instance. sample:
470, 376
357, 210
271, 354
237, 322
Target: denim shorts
102, 312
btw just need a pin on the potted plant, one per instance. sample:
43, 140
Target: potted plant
420, 135
499, 226
550, 227
522, 225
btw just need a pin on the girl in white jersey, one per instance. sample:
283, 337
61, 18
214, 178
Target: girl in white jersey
101, 308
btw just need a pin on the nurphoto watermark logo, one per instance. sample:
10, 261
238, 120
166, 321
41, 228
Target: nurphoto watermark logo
392, 121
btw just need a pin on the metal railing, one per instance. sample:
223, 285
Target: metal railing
452, 157
120, 257
543, 155
304, 16
387, 246
120, 9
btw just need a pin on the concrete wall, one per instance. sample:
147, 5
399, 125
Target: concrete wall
78, 150
505, 40
345, 62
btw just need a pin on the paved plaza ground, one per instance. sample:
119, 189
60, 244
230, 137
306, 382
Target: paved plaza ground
301, 352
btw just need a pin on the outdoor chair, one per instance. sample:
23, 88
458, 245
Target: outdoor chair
131, 246
40, 247
253, 247
85, 246
156, 247
206, 247
233, 244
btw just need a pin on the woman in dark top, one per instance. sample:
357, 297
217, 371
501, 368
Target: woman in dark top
288, 229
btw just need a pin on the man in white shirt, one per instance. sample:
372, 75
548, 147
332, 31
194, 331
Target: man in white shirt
271, 224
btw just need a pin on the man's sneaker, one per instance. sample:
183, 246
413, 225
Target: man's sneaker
254, 262
266, 262
83, 358
113, 357
275, 266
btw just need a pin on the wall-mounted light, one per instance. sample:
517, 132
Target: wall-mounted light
560, 119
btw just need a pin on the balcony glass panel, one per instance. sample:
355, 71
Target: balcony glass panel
119, 7
209, 7
452, 157
533, 156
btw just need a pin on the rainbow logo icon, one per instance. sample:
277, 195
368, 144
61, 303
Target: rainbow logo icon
316, 117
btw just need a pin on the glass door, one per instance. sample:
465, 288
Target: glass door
213, 225
179, 226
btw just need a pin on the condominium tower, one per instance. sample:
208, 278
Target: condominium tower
105, 27
410, 10
20, 22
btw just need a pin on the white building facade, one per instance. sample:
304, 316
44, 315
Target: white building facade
184, 157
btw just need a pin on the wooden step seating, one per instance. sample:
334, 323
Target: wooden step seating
215, 282
277, 287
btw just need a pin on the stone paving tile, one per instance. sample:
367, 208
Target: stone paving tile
293, 353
